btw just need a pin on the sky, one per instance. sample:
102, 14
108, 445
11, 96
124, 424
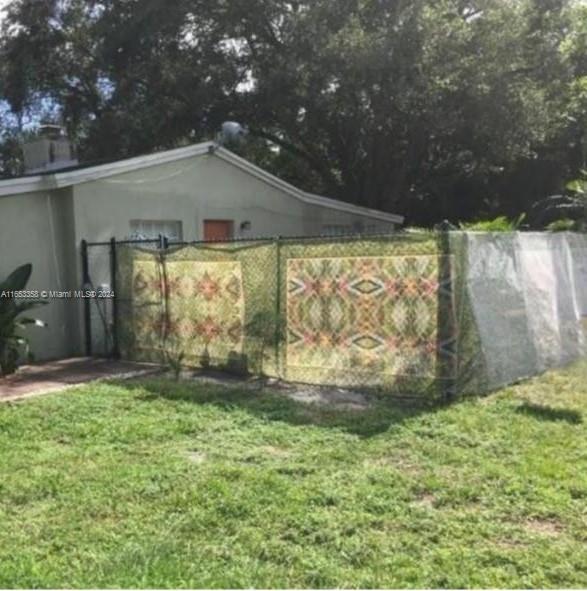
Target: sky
3, 4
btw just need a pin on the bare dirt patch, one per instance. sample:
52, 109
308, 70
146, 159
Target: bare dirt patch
329, 397
336, 398
426, 500
196, 457
545, 527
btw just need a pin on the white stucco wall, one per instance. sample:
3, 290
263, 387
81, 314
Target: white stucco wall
195, 189
191, 191
37, 228
46, 228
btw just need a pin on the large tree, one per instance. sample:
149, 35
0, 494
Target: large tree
405, 101
432, 108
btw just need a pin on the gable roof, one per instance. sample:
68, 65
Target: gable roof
68, 178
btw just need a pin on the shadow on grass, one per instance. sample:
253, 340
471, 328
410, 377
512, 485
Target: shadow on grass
269, 405
548, 413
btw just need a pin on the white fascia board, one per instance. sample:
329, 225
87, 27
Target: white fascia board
20, 185
59, 180
309, 198
65, 179
354, 209
92, 173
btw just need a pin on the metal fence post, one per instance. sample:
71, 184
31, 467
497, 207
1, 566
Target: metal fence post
87, 310
278, 307
446, 320
113, 287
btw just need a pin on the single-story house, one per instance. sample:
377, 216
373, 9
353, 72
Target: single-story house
202, 191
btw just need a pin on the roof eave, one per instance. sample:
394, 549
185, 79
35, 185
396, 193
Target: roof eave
60, 180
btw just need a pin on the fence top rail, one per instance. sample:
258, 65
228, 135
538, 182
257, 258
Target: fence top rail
299, 238
396, 234
129, 241
172, 243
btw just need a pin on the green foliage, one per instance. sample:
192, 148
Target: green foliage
417, 230
13, 344
563, 225
433, 109
578, 201
174, 358
577, 186
157, 484
499, 224
571, 206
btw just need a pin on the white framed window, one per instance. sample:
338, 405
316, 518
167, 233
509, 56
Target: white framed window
151, 229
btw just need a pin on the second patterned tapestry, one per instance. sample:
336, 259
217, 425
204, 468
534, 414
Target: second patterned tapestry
371, 316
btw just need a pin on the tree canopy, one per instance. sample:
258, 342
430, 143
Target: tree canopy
436, 109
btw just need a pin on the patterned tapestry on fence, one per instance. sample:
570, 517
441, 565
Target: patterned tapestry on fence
145, 336
202, 316
369, 320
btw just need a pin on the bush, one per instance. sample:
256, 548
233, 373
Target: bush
499, 224
13, 345
563, 225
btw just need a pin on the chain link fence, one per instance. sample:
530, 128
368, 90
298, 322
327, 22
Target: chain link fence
430, 315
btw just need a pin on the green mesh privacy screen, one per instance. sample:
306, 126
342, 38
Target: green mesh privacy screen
375, 312
206, 306
413, 314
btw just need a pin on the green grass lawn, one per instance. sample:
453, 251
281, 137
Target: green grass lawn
156, 484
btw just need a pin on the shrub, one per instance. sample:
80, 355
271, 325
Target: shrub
13, 345
499, 224
563, 225
567, 208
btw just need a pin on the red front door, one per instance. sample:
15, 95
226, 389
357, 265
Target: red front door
218, 229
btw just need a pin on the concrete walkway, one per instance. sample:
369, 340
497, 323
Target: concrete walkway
41, 378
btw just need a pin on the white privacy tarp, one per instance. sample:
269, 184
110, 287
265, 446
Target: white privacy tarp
499, 307
569, 315
540, 291
528, 294
578, 247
